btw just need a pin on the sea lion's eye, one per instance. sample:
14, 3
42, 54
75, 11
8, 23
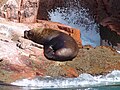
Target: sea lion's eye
30, 33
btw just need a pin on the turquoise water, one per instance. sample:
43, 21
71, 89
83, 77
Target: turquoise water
86, 88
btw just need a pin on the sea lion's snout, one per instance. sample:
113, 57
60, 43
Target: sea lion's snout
28, 34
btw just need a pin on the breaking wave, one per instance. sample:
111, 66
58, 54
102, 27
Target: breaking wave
84, 80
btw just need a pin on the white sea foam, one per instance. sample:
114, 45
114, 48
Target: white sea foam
84, 80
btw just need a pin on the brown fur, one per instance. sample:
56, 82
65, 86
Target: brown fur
57, 45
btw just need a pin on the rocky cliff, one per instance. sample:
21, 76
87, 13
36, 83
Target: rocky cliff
103, 12
21, 58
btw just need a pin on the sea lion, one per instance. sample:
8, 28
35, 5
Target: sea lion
57, 45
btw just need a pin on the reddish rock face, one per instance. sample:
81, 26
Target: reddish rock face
22, 58
75, 33
47, 5
110, 32
19, 10
27, 60
112, 23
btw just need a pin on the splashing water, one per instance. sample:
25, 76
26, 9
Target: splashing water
84, 80
89, 37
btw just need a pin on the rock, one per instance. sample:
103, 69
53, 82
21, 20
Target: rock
95, 61
28, 61
22, 58
106, 13
19, 10
110, 32
75, 33
113, 23
45, 6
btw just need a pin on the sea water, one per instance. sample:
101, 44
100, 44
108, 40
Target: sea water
85, 81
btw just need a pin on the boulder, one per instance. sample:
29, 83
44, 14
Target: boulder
110, 32
19, 10
113, 23
22, 58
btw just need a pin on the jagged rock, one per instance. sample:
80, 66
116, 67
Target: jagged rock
75, 33
22, 58
19, 10
110, 38
28, 60
104, 12
112, 23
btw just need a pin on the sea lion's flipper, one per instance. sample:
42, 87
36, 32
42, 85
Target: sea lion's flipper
56, 50
48, 52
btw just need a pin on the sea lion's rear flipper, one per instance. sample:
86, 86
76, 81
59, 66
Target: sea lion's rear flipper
48, 51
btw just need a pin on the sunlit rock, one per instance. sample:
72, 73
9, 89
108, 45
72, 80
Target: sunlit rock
21, 58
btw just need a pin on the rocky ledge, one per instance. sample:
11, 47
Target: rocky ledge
21, 58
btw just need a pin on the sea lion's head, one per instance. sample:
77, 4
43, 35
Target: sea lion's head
28, 34
35, 35
41, 35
